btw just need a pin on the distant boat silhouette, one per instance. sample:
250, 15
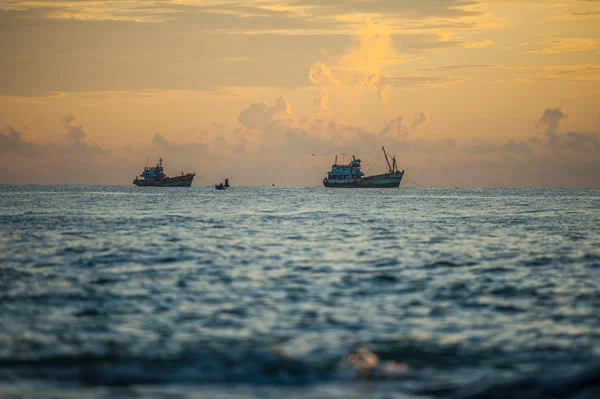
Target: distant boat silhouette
222, 186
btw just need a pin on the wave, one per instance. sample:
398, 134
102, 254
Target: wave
263, 366
272, 368
582, 383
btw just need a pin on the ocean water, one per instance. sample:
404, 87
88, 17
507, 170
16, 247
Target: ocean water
299, 292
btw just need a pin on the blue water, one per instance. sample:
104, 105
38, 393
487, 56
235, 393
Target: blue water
299, 292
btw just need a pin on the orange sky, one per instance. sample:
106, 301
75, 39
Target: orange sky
465, 93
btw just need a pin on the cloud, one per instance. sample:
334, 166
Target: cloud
320, 74
173, 148
329, 138
571, 142
577, 15
263, 116
323, 110
77, 141
362, 65
383, 92
76, 132
445, 9
420, 119
70, 160
218, 126
552, 118
580, 142
160, 141
13, 141
33, 99
420, 145
479, 147
396, 129
476, 43
78, 136
593, 79
574, 73
372, 50
422, 81
457, 66
369, 64
566, 45
280, 15
517, 147
319, 134
300, 141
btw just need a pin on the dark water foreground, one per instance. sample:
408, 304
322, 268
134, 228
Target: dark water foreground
299, 292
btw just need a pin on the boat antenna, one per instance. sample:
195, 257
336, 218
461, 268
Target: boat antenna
343, 156
386, 159
146, 161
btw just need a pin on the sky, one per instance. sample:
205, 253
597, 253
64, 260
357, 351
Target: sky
464, 93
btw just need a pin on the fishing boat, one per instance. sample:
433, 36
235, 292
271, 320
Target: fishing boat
154, 176
350, 175
222, 186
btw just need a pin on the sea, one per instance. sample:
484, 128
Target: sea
299, 292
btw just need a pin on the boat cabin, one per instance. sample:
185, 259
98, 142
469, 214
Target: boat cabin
350, 171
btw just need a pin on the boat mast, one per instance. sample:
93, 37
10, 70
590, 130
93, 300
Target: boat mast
386, 159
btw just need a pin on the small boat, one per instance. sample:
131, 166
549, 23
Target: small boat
222, 186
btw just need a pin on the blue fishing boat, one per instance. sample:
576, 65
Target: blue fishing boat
154, 176
351, 176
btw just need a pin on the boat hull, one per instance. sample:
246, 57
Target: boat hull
178, 181
222, 187
388, 180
